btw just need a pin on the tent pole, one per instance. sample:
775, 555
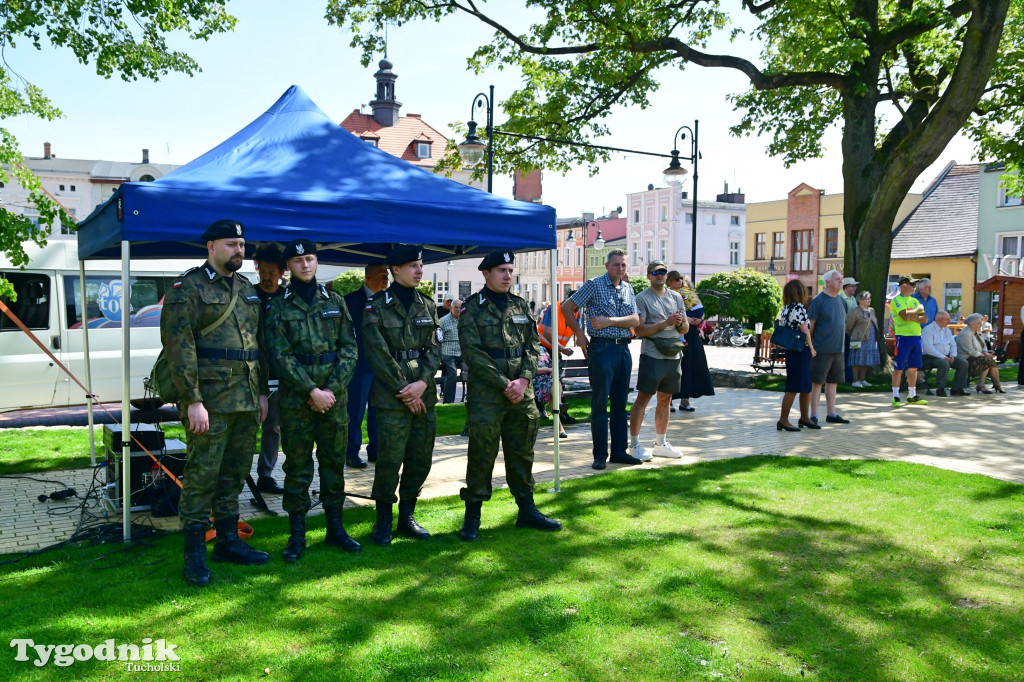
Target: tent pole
556, 385
85, 358
126, 419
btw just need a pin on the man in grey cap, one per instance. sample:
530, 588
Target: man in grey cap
849, 293
662, 325
849, 298
210, 328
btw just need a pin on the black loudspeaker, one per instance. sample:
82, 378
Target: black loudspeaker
146, 478
149, 435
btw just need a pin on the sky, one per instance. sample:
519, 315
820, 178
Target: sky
244, 72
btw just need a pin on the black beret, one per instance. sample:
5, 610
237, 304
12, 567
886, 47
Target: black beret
404, 253
223, 229
496, 258
299, 247
269, 253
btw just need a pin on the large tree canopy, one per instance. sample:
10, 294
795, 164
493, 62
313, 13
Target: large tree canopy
899, 77
118, 38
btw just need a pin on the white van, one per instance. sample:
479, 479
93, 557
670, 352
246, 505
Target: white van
49, 304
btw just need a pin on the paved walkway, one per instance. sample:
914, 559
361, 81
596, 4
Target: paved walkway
977, 434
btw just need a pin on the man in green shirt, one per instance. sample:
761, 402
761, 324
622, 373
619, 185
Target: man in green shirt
908, 315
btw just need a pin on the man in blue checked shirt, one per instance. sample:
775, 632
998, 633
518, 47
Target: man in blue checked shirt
610, 312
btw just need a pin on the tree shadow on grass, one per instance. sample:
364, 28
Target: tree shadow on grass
712, 550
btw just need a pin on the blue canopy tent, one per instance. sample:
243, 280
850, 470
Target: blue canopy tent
294, 172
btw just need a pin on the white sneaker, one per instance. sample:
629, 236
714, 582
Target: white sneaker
639, 453
667, 451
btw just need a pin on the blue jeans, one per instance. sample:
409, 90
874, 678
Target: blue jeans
358, 396
609, 366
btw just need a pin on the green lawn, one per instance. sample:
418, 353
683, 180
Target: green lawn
757, 569
25, 451
777, 382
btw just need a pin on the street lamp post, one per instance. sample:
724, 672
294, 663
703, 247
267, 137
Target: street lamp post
598, 241
473, 150
675, 169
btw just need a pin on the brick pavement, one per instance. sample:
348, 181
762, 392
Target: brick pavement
976, 434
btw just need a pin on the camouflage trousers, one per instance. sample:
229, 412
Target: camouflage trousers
218, 462
301, 427
406, 442
516, 427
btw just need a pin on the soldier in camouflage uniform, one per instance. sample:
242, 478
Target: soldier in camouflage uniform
400, 337
501, 348
309, 338
221, 379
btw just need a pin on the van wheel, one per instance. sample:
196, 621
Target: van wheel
147, 405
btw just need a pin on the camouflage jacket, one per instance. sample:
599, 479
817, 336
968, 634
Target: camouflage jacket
484, 327
293, 329
197, 299
389, 328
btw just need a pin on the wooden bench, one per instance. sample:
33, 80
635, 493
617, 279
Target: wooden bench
767, 356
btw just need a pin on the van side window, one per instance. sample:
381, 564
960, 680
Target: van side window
103, 300
33, 304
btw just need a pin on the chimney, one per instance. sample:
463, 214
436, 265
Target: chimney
46, 151
145, 156
527, 186
732, 198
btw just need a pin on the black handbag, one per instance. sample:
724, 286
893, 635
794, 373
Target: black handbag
789, 338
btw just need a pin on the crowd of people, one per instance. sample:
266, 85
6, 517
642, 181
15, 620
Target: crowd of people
839, 338
308, 364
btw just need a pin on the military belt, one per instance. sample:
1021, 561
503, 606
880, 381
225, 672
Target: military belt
499, 353
316, 358
226, 354
409, 354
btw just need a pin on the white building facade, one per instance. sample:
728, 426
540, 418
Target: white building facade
79, 185
660, 227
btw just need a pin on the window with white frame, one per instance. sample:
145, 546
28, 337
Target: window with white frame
734, 220
422, 150
440, 292
1009, 244
734, 253
664, 213
636, 216
1007, 199
566, 257
689, 218
634, 254
709, 219
663, 249
649, 250
579, 256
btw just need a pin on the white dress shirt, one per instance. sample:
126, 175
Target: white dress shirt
938, 341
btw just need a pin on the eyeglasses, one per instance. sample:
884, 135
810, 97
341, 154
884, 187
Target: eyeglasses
659, 273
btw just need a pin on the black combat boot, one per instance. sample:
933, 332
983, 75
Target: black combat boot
196, 571
471, 525
232, 549
530, 516
382, 529
297, 538
407, 525
336, 534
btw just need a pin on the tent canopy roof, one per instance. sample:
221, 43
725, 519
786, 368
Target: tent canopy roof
294, 172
